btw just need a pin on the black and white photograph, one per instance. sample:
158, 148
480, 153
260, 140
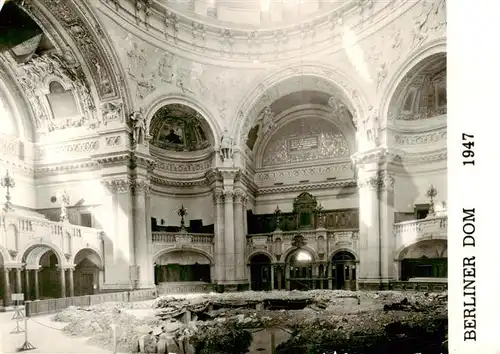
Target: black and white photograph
246, 176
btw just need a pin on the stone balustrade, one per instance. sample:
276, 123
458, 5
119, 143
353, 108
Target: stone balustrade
182, 240
410, 232
20, 234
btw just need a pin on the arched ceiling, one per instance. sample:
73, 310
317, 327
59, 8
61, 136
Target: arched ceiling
292, 103
177, 127
422, 92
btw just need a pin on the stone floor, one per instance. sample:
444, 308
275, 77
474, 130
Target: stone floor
43, 334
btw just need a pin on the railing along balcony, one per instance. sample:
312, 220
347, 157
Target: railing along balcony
408, 232
17, 231
181, 238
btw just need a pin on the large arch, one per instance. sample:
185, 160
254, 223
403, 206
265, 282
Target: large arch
35, 249
185, 265
261, 252
87, 274
260, 271
434, 47
311, 76
426, 258
155, 104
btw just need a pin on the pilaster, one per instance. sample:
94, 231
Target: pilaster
218, 198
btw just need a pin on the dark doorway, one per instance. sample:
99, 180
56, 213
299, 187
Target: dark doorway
344, 271
260, 272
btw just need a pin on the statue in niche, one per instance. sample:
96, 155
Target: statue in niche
267, 117
138, 121
226, 146
372, 128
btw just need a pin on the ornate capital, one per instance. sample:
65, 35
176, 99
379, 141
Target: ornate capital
240, 196
141, 187
121, 185
218, 196
381, 181
228, 195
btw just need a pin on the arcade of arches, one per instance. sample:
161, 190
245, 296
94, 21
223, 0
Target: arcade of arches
221, 163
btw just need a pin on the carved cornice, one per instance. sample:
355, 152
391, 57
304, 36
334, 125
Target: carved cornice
110, 159
157, 180
307, 187
66, 150
239, 42
142, 161
379, 155
69, 167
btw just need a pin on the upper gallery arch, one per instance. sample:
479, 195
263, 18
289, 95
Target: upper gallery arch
345, 98
418, 89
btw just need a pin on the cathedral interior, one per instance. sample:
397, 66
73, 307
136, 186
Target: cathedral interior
212, 145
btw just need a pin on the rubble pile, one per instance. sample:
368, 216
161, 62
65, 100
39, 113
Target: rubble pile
209, 323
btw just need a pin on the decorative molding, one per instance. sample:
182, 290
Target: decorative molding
218, 196
303, 172
420, 139
113, 141
183, 167
69, 167
117, 185
80, 147
161, 181
307, 187
378, 155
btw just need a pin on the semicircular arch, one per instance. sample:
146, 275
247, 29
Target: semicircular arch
34, 250
402, 250
154, 105
272, 258
161, 253
348, 250
285, 81
432, 48
292, 250
88, 252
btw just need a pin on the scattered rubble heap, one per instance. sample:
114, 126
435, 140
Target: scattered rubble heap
219, 323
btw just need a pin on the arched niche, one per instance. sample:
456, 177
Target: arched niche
182, 266
299, 270
179, 128
87, 273
422, 93
344, 273
424, 259
61, 100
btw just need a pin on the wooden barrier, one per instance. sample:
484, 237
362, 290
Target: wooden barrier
42, 307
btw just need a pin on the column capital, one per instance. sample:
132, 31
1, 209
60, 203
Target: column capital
381, 180
240, 196
117, 185
218, 196
141, 186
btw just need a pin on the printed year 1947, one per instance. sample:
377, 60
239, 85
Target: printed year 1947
468, 149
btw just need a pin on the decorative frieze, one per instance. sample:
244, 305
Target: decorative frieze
66, 150
117, 185
307, 187
113, 141
183, 167
303, 172
421, 139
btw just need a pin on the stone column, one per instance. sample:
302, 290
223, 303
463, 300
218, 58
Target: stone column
387, 242
71, 282
272, 276
19, 283
397, 270
6, 287
36, 284
218, 198
27, 294
329, 273
142, 239
230, 258
239, 235
369, 230
62, 275
287, 276
280, 276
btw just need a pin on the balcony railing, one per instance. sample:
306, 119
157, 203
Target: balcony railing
409, 232
181, 238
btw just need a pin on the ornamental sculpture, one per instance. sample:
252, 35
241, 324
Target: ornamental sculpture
182, 212
138, 121
7, 182
226, 146
431, 193
63, 196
